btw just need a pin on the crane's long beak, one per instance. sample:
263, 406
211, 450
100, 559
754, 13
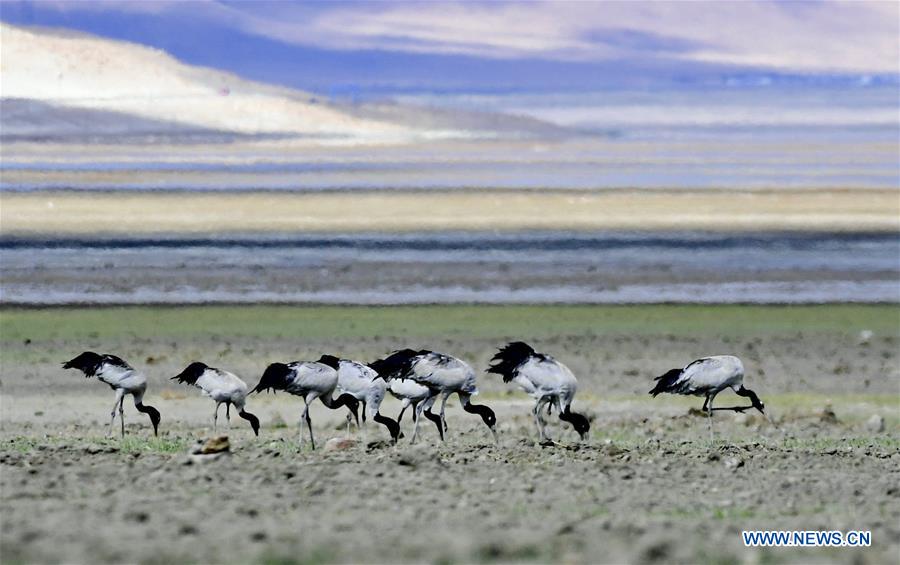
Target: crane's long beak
494, 433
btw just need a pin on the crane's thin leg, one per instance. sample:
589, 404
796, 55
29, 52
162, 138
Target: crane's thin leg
428, 403
120, 394
302, 420
549, 402
537, 419
418, 416
443, 405
403, 408
312, 440
216, 417
709, 411
363, 413
559, 408
365, 429
228, 415
122, 414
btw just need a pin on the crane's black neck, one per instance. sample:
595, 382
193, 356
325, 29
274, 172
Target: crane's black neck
342, 400
254, 421
392, 426
152, 412
754, 400
581, 424
437, 421
487, 415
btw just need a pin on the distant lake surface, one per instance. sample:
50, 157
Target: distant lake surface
555, 267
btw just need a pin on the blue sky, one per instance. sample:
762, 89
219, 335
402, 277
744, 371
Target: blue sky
498, 45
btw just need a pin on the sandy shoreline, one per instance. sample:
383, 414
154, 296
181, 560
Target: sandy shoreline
108, 213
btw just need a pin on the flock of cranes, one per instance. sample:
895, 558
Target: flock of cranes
415, 377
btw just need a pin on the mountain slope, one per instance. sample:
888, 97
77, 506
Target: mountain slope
79, 71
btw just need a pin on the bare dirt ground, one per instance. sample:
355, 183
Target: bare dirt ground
648, 486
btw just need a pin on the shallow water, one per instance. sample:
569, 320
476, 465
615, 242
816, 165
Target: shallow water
556, 267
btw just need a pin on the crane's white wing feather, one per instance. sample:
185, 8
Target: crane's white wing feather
709, 373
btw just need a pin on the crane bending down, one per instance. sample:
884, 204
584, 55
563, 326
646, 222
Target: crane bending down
223, 387
545, 379
442, 375
407, 391
309, 380
365, 385
122, 378
708, 377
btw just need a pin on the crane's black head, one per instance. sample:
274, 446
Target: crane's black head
275, 377
88, 363
191, 373
254, 421
330, 360
487, 415
581, 424
508, 358
754, 400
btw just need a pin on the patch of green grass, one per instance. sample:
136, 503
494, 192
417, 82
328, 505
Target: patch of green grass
498, 552
827, 444
316, 556
717, 558
137, 444
23, 444
733, 513
446, 322
128, 444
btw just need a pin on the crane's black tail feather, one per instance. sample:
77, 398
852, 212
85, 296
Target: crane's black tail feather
191, 373
666, 382
397, 364
275, 377
508, 358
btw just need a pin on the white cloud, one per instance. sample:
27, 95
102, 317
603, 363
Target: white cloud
829, 35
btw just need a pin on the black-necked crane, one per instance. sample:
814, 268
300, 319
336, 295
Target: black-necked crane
543, 378
407, 391
122, 378
309, 380
365, 385
443, 375
223, 387
708, 377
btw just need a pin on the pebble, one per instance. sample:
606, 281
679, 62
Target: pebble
277, 421
875, 424
827, 415
209, 450
734, 463
218, 444
865, 337
340, 444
